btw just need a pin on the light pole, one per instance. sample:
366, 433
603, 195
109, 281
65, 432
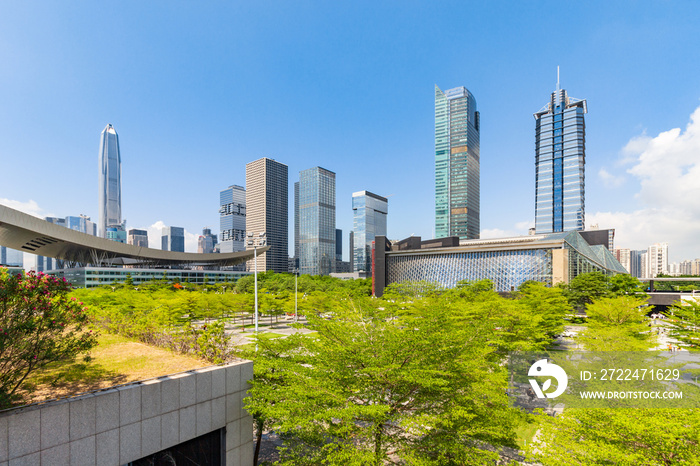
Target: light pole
255, 242
296, 292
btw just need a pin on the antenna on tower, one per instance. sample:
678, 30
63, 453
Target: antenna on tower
557, 77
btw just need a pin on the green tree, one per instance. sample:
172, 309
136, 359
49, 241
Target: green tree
39, 324
616, 324
586, 287
628, 437
372, 383
685, 318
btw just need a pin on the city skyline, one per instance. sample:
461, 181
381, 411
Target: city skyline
358, 102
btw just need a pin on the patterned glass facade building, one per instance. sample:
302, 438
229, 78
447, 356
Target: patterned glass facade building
267, 211
232, 220
457, 164
508, 262
110, 182
560, 156
316, 221
369, 221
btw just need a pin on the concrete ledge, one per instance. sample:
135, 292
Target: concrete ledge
128, 422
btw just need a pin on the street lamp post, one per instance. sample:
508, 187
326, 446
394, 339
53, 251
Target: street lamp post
296, 293
255, 242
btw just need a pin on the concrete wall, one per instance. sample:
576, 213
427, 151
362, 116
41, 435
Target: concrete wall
126, 423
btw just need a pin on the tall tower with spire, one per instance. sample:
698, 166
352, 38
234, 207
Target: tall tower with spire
110, 181
560, 158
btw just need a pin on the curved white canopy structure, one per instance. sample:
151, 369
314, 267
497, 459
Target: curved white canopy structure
31, 234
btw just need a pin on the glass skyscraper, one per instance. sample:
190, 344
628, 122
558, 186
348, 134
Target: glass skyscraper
560, 157
316, 221
232, 220
110, 182
173, 239
369, 220
456, 164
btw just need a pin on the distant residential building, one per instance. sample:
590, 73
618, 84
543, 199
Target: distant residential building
644, 264
232, 202
316, 220
696, 267
369, 220
685, 267
267, 194
560, 157
623, 257
137, 238
657, 260
457, 164
173, 239
206, 242
674, 269
110, 182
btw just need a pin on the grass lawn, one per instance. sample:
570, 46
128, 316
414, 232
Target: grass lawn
525, 433
115, 360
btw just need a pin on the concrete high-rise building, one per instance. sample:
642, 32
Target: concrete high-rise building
206, 242
457, 164
233, 219
137, 238
173, 239
560, 157
695, 267
369, 221
267, 211
110, 182
657, 260
623, 257
316, 221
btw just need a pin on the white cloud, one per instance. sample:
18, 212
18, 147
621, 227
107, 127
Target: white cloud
610, 180
667, 167
30, 207
155, 232
519, 229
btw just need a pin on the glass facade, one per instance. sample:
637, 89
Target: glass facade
173, 239
369, 221
457, 164
232, 221
507, 265
11, 257
90, 277
316, 221
110, 182
560, 156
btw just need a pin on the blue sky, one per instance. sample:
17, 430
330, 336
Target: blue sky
198, 89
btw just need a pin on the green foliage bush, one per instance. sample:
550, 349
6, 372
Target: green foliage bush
39, 324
